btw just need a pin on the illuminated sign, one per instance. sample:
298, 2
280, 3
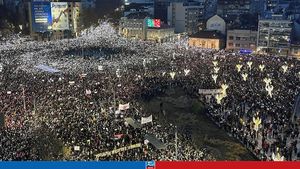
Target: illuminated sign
153, 23
60, 14
41, 16
245, 51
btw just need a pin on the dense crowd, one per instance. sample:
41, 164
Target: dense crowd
78, 106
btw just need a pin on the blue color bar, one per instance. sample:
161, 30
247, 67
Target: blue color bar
73, 165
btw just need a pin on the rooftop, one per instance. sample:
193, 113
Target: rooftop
208, 35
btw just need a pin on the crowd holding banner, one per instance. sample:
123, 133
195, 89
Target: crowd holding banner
97, 111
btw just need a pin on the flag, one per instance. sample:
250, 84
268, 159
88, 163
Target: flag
145, 120
100, 68
71, 82
146, 141
118, 136
88, 92
123, 106
77, 148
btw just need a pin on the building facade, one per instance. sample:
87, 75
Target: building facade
207, 40
274, 35
231, 9
164, 34
133, 28
137, 28
295, 50
136, 7
216, 23
70, 22
241, 39
184, 16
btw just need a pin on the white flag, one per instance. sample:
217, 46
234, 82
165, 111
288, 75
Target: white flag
124, 106
88, 92
100, 68
71, 82
77, 148
145, 120
146, 141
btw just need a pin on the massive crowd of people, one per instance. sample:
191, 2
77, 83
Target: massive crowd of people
75, 107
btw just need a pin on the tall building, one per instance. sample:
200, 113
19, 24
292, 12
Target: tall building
231, 9
134, 26
161, 9
88, 3
127, 2
271, 5
139, 6
54, 20
210, 8
184, 16
258, 6
274, 35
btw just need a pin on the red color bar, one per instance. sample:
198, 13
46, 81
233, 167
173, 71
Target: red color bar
227, 165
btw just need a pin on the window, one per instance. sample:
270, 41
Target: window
230, 37
238, 38
230, 44
237, 45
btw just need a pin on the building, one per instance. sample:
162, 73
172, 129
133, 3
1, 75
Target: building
139, 26
139, 6
134, 26
274, 35
210, 8
293, 10
295, 50
232, 9
207, 39
184, 16
241, 39
127, 2
161, 9
216, 23
257, 6
57, 20
88, 3
162, 34
271, 5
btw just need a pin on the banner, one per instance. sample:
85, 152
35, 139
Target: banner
124, 106
116, 151
145, 120
41, 16
60, 15
210, 91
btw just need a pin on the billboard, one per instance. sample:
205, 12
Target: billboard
153, 23
60, 17
41, 16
